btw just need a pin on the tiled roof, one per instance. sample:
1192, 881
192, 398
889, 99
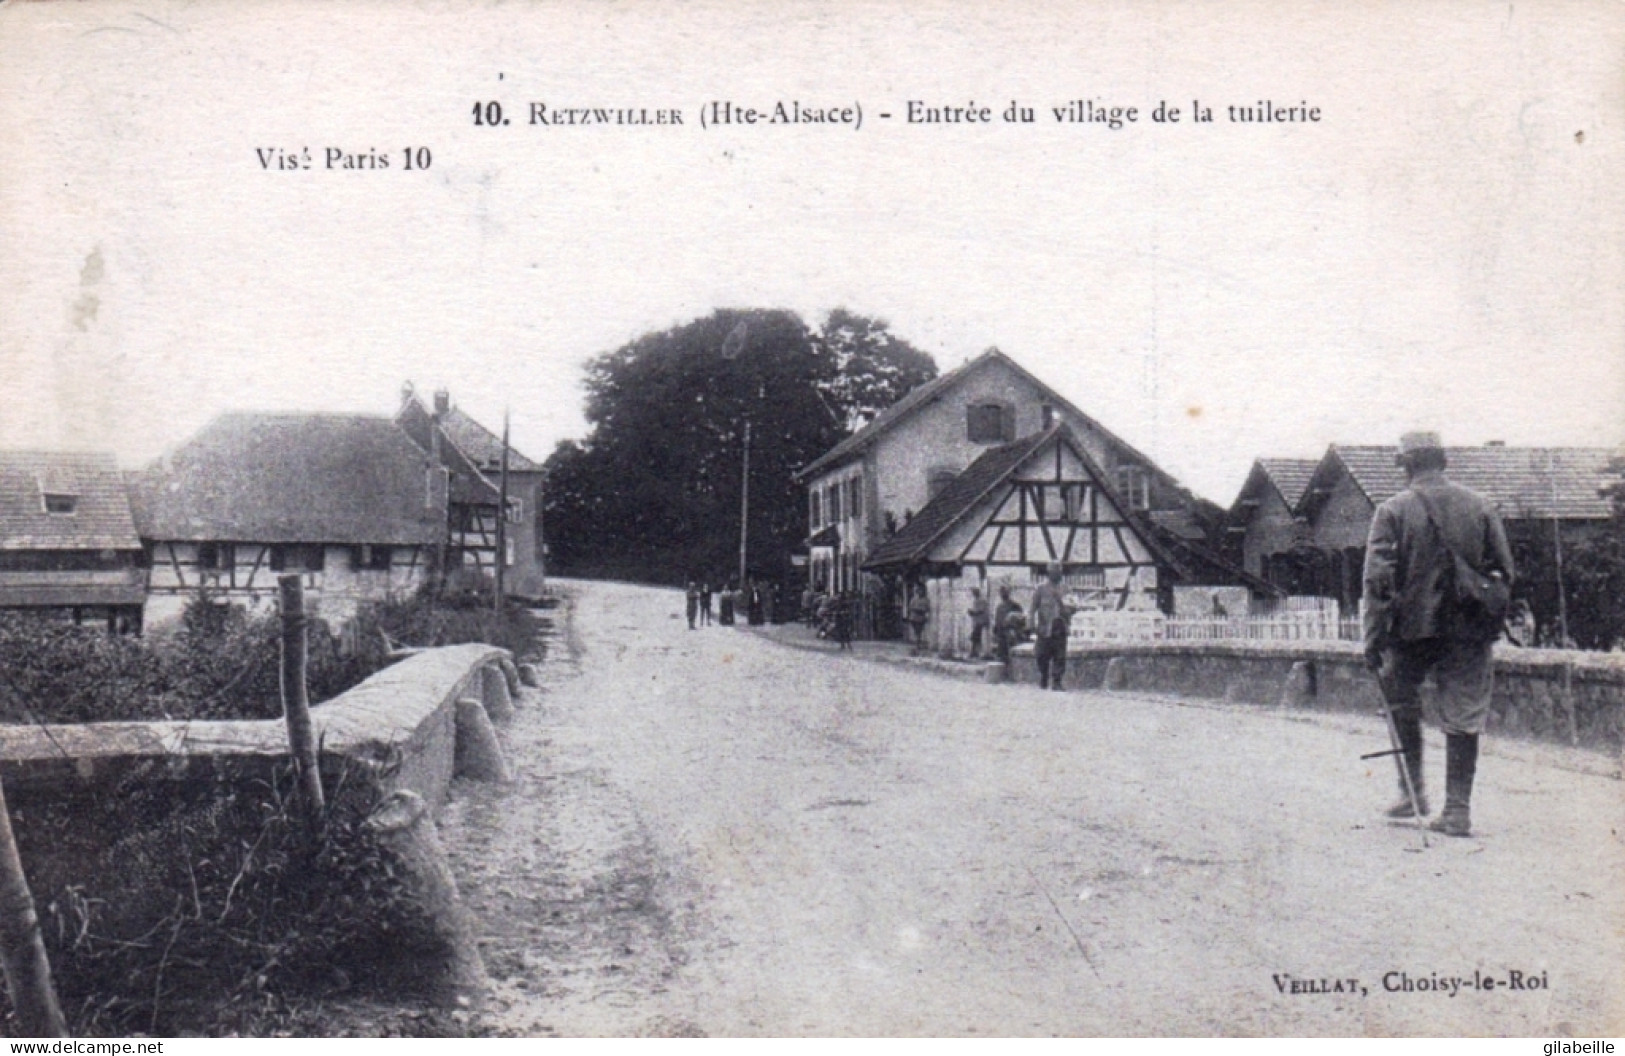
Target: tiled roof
100, 519
1522, 482
1290, 476
915, 397
913, 541
290, 478
482, 445
1180, 523
468, 485
923, 394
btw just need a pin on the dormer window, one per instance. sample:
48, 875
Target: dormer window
56, 502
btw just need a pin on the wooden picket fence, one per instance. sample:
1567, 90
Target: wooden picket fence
1309, 625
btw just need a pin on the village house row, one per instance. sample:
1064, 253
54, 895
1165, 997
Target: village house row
364, 507
978, 478
982, 476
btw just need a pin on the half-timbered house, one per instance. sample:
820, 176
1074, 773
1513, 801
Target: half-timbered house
68, 543
348, 501
877, 482
472, 455
1017, 508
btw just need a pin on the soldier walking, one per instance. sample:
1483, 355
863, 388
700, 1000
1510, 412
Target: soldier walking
1422, 615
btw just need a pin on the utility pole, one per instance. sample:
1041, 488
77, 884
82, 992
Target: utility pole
732, 346
744, 506
1557, 556
502, 519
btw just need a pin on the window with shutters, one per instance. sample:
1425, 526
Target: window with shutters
989, 423
216, 557
1134, 485
367, 558
817, 509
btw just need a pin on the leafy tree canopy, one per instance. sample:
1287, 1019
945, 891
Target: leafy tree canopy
653, 492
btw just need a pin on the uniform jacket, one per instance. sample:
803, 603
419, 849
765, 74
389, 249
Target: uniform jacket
1406, 566
1050, 608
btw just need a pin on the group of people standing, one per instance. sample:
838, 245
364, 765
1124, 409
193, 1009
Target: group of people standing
732, 601
1007, 624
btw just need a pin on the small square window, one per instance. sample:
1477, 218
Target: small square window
988, 423
368, 558
214, 557
57, 503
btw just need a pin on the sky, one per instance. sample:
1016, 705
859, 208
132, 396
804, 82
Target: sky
1444, 248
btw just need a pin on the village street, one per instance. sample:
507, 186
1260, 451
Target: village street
712, 832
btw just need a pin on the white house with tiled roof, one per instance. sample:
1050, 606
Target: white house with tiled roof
68, 542
872, 484
348, 501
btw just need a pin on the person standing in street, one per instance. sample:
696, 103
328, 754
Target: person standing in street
1437, 566
919, 614
979, 616
842, 620
705, 604
1005, 616
691, 598
1052, 618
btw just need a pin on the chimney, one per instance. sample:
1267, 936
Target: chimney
442, 402
406, 391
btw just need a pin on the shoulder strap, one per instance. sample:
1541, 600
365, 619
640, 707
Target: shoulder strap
1443, 539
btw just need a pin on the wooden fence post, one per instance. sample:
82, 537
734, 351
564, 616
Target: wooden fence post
296, 698
22, 948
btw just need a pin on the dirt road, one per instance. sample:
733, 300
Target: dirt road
710, 832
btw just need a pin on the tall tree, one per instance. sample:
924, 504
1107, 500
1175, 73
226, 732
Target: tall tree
874, 368
653, 492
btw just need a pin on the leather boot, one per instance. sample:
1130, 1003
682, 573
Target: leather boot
1461, 765
1408, 727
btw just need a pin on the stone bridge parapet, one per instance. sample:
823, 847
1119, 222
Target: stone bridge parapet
402, 719
1565, 697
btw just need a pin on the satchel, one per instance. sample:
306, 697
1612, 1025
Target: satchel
1482, 599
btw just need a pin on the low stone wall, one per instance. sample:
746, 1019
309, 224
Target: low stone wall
1558, 696
103, 811
403, 719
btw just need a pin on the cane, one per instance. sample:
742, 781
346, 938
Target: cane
1399, 752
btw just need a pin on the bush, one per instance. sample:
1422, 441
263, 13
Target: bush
455, 617
220, 664
176, 909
